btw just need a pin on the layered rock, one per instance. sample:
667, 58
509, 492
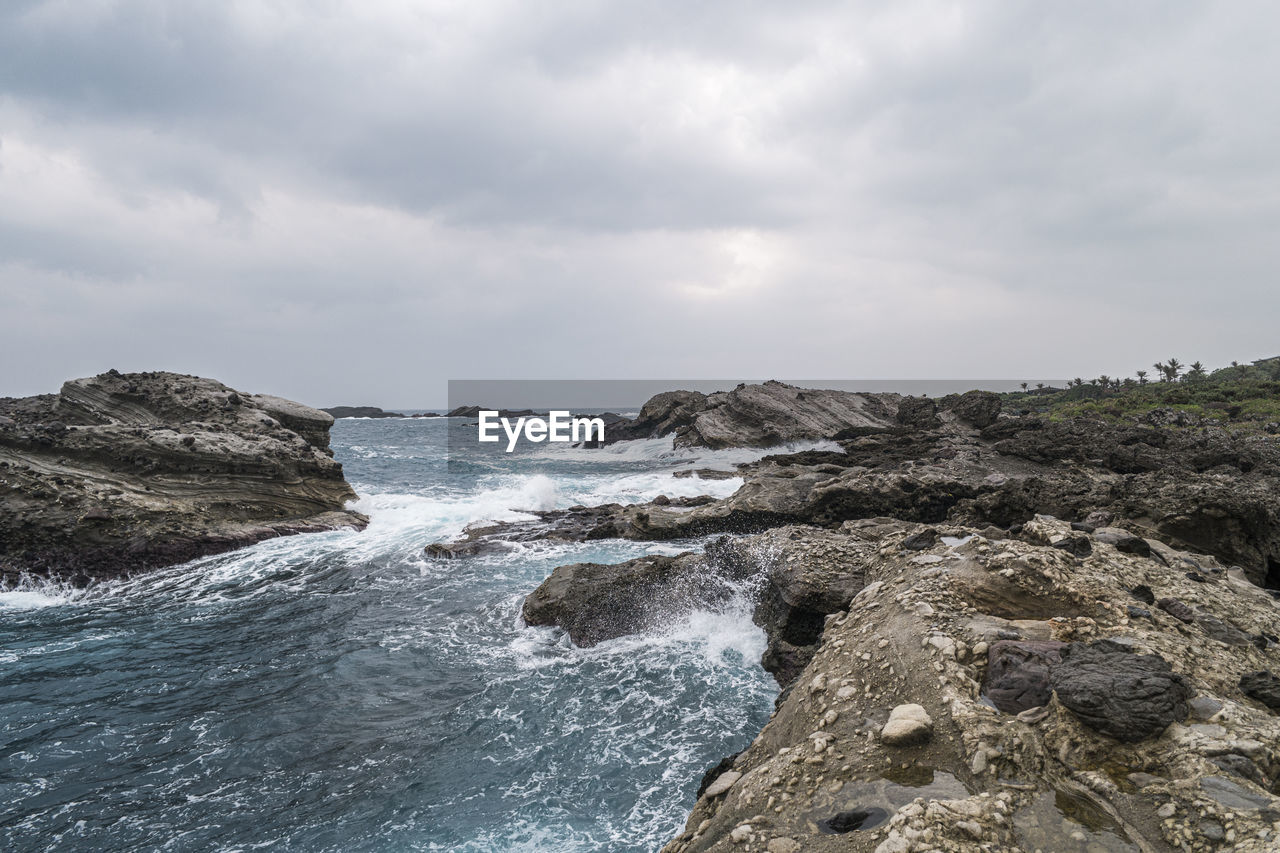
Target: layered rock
756, 416
123, 472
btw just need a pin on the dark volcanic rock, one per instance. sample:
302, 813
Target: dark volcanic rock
1127, 696
1077, 545
1018, 673
1123, 541
921, 541
1177, 608
1263, 686
123, 472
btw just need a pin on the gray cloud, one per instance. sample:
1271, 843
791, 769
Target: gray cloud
352, 203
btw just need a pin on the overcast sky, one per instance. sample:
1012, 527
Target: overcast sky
348, 202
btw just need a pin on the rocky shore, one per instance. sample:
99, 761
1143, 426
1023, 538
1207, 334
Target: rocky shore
123, 472
994, 631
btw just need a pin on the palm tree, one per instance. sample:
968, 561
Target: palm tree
1039, 386
1173, 368
1196, 373
1105, 381
1024, 386
1161, 369
1077, 382
1142, 377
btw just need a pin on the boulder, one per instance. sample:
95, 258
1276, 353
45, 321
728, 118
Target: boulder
1127, 696
908, 725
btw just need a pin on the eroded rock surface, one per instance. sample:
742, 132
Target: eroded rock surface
920, 630
123, 472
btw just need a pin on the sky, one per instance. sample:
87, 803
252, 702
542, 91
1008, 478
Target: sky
352, 203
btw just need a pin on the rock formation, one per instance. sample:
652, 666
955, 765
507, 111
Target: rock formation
755, 416
1207, 490
122, 472
360, 412
993, 632
1126, 733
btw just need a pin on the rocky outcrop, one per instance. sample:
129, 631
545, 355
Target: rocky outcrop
124, 472
756, 416
360, 412
888, 738
1209, 491
798, 576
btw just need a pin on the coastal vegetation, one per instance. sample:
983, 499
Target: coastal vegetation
1246, 395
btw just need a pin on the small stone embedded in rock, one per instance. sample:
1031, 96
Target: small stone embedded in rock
1177, 608
1263, 686
926, 538
907, 725
1232, 795
723, 783
1204, 707
1076, 545
853, 819
1143, 593
782, 844
1127, 696
1123, 541
1221, 631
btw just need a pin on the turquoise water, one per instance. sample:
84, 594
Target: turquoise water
339, 692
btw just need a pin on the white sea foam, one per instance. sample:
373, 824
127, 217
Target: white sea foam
34, 594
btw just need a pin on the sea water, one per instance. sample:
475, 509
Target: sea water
339, 691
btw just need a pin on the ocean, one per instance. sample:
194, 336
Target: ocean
341, 692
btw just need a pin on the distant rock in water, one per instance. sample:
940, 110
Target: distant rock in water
123, 472
360, 412
756, 416
474, 412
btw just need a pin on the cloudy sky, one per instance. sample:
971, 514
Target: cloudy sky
350, 202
